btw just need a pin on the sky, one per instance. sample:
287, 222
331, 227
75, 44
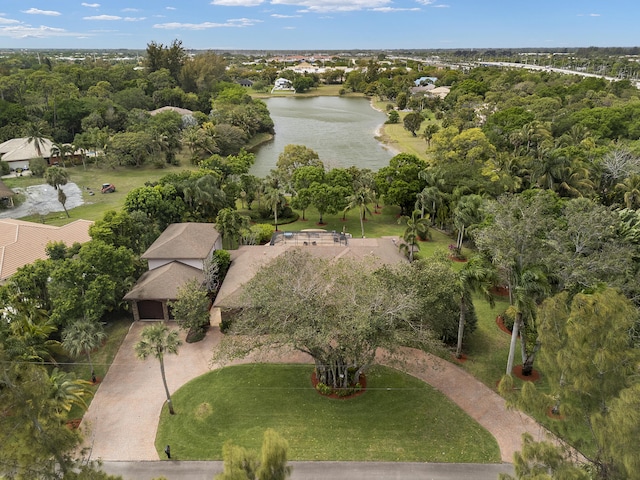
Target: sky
318, 24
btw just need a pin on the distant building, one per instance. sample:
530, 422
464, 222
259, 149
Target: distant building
18, 151
245, 82
181, 111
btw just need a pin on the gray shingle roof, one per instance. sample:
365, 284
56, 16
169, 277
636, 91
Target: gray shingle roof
162, 283
185, 241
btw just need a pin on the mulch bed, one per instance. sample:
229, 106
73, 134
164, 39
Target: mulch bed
501, 291
74, 424
501, 325
362, 381
534, 377
462, 359
456, 259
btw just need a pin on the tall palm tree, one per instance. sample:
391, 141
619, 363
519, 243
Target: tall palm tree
82, 336
476, 276
56, 177
417, 227
528, 287
274, 199
35, 135
230, 224
468, 211
157, 340
360, 200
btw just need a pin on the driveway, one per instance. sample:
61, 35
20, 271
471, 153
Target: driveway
122, 421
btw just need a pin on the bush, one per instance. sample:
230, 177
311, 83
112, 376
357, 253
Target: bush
394, 117
5, 169
259, 234
37, 166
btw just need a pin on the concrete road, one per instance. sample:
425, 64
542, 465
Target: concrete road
316, 470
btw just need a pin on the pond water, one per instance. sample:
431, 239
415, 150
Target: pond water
341, 130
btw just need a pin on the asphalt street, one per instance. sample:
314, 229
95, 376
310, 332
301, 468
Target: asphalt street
178, 470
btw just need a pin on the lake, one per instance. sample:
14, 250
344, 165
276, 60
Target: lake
341, 130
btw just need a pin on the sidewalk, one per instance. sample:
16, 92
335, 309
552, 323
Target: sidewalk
122, 420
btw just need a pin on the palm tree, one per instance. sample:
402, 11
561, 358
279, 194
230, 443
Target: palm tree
528, 287
476, 276
82, 336
630, 186
274, 200
417, 227
67, 390
230, 224
61, 150
360, 200
35, 135
56, 177
468, 211
157, 340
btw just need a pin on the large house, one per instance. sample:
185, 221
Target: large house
22, 243
18, 151
176, 257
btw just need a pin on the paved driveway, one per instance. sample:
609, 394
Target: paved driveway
121, 422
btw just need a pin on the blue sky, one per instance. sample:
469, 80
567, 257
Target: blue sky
319, 24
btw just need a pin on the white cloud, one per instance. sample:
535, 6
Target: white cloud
288, 28
442, 5
333, 5
237, 3
90, 5
7, 21
171, 8
27, 31
232, 23
36, 11
426, 2
103, 17
130, 9
589, 15
277, 15
594, 14
393, 9
134, 19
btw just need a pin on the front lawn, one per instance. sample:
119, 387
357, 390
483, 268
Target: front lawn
398, 418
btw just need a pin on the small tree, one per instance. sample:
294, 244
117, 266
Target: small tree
191, 309
242, 464
157, 340
412, 122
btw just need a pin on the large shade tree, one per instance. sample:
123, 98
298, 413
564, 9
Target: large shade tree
338, 312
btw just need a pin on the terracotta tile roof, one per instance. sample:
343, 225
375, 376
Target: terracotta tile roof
162, 283
184, 241
21, 243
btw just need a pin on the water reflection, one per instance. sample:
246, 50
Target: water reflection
341, 130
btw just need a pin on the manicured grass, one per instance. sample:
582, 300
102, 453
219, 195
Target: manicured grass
398, 418
321, 91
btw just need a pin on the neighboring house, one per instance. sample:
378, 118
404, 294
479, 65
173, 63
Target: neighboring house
22, 243
282, 84
18, 151
177, 256
245, 82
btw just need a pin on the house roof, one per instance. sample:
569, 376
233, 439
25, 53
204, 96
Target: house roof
162, 283
181, 111
5, 191
247, 260
20, 149
22, 243
184, 240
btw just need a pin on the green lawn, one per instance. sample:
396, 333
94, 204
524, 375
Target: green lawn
398, 418
124, 178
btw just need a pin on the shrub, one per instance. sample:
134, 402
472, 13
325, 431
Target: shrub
5, 168
259, 234
37, 166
